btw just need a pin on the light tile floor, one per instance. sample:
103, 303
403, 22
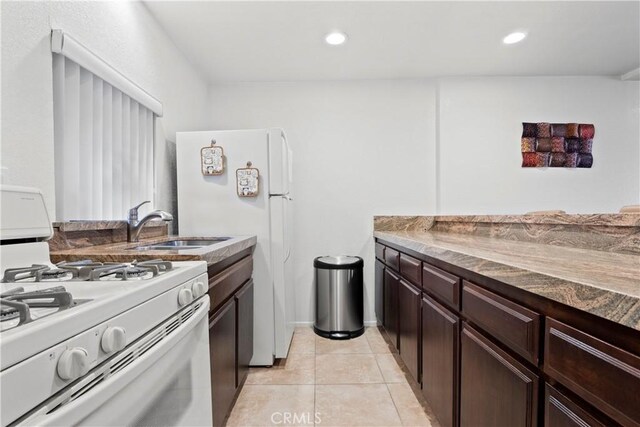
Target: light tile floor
331, 383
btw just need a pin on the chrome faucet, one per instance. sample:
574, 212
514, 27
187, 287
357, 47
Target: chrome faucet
134, 226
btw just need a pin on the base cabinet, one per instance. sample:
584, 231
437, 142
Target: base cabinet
379, 292
486, 354
222, 345
560, 411
230, 330
409, 327
244, 331
391, 285
440, 342
495, 389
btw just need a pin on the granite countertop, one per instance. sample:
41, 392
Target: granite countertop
121, 251
606, 284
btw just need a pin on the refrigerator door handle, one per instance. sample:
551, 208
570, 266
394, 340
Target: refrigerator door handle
283, 195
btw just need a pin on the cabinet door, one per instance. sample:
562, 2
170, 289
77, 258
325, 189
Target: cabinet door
440, 356
495, 389
244, 330
603, 375
559, 411
391, 284
222, 354
379, 292
409, 327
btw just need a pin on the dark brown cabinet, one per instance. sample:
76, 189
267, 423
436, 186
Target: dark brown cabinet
495, 389
441, 285
244, 329
560, 411
230, 330
411, 270
391, 285
392, 258
409, 327
511, 323
440, 342
379, 292
490, 354
601, 374
222, 346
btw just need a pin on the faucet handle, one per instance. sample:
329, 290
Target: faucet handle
133, 212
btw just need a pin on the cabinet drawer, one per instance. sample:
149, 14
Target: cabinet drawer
560, 411
392, 258
380, 251
410, 269
495, 389
514, 325
603, 375
442, 285
224, 284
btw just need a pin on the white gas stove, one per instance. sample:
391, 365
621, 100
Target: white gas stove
97, 343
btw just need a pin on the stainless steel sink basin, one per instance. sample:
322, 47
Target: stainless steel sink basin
180, 244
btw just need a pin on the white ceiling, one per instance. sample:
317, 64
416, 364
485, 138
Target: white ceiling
276, 41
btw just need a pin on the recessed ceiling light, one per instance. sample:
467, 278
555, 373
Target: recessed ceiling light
515, 37
335, 38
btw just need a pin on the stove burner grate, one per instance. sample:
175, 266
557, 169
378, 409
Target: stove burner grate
156, 265
87, 270
121, 272
82, 269
38, 272
17, 303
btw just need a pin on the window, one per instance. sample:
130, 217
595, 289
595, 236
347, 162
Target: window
103, 136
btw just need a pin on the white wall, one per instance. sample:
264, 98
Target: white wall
126, 36
479, 145
360, 149
456, 141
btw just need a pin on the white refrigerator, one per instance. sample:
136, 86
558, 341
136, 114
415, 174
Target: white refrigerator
211, 205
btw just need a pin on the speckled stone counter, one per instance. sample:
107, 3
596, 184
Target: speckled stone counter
123, 252
602, 279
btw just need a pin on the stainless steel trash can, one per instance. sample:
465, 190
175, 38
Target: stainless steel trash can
339, 297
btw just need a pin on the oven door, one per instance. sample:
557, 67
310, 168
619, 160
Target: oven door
161, 379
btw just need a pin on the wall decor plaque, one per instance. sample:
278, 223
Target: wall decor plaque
212, 159
248, 181
557, 145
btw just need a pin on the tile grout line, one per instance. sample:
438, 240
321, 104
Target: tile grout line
394, 404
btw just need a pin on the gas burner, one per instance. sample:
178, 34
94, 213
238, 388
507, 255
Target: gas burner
157, 265
81, 270
37, 273
121, 272
87, 270
17, 303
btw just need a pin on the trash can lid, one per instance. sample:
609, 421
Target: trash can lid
338, 262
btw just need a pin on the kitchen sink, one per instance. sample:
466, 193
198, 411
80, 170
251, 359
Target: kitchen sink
180, 244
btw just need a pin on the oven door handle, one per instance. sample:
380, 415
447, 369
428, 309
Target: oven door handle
86, 395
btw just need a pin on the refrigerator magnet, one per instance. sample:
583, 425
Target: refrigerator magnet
212, 159
247, 181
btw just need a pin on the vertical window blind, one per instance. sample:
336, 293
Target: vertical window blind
103, 137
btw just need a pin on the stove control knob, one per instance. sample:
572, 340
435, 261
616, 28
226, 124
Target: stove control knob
113, 339
198, 288
185, 296
73, 363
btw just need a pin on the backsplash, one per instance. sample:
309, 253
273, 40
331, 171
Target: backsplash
80, 234
604, 232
